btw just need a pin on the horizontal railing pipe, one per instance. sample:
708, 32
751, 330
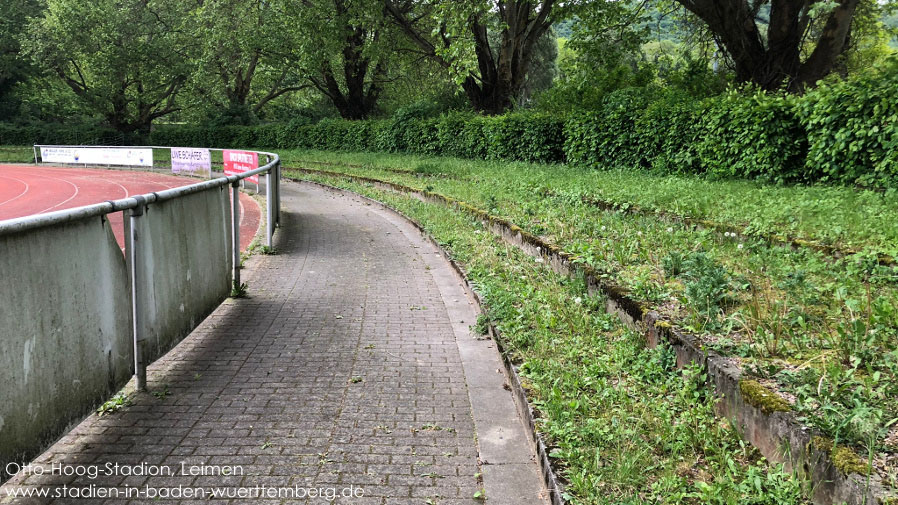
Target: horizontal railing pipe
25, 223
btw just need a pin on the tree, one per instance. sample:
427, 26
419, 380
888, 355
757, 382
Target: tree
456, 35
601, 56
13, 68
543, 67
127, 60
243, 64
344, 49
804, 40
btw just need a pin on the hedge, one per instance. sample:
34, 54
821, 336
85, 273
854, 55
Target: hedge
610, 136
61, 134
752, 135
669, 134
852, 129
531, 137
842, 132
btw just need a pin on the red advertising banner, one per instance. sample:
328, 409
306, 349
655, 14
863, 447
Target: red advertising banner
237, 162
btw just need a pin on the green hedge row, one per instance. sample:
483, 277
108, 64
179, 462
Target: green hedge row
845, 132
61, 134
842, 132
531, 137
737, 134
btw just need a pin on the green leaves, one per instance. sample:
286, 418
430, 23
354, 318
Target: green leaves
852, 128
749, 133
126, 60
610, 137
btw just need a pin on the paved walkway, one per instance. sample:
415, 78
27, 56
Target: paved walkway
350, 368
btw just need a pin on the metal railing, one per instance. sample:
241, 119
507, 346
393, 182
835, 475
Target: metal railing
136, 206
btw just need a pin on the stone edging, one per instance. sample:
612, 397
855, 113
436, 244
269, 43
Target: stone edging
775, 432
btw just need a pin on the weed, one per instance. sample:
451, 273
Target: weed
482, 326
161, 394
673, 264
238, 291
427, 169
707, 286
114, 404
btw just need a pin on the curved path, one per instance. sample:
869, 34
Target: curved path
28, 189
351, 365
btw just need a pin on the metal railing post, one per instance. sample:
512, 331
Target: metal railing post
269, 206
235, 217
140, 366
277, 193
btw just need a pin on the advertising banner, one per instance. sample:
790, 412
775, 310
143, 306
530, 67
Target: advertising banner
190, 161
237, 162
98, 156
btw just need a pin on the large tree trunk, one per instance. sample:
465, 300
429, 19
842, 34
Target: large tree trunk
501, 71
777, 62
359, 100
362, 83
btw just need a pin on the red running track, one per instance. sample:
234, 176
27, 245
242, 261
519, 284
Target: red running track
26, 190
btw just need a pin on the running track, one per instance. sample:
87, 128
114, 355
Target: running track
26, 190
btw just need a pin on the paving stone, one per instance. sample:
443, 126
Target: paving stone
346, 365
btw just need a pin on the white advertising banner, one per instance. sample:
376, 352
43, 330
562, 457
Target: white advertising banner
98, 156
190, 161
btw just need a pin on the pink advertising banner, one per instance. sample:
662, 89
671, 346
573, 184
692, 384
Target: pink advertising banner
238, 162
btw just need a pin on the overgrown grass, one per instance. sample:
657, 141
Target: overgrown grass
16, 154
821, 330
846, 217
624, 425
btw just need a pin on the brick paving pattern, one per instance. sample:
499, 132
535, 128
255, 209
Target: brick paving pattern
342, 368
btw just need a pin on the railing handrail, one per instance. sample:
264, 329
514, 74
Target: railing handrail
25, 223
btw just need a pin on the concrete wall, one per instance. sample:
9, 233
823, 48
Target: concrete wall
66, 315
65, 330
183, 266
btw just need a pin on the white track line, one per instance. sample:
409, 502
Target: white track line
69, 199
20, 194
56, 179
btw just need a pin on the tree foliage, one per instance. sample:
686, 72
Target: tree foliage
456, 35
13, 68
345, 49
238, 62
243, 64
127, 60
